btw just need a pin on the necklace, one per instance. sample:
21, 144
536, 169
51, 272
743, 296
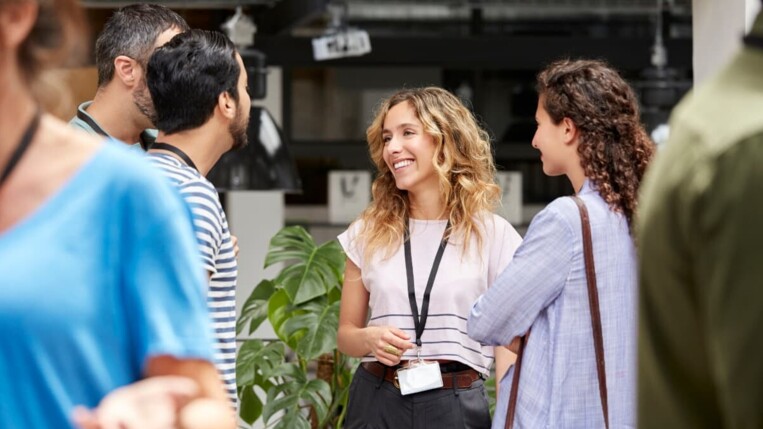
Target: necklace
21, 148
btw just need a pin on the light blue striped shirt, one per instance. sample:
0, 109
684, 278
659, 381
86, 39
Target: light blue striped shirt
544, 289
218, 258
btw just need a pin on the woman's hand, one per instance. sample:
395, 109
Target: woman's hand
387, 343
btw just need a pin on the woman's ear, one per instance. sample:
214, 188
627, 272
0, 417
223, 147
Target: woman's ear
570, 131
17, 18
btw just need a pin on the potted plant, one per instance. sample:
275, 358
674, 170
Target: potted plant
302, 305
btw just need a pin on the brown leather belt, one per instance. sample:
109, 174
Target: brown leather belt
463, 379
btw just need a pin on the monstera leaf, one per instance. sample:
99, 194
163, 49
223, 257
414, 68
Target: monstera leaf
280, 310
255, 309
295, 393
312, 270
255, 360
302, 305
313, 328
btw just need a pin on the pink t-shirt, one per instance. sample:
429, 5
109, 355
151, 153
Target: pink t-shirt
461, 279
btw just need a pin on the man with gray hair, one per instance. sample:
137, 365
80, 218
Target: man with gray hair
122, 106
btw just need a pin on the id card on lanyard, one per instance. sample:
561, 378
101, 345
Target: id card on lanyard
420, 375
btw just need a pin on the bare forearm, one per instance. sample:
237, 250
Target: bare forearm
386, 343
503, 360
211, 409
351, 340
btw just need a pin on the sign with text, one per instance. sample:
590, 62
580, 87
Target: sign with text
349, 194
350, 43
511, 196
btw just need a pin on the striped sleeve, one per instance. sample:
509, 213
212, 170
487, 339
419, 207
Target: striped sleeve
204, 203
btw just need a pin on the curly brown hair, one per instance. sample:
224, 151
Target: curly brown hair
463, 161
614, 148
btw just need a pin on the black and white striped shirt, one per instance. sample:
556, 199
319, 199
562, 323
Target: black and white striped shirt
218, 258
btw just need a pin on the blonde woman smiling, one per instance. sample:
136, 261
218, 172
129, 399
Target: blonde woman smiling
426, 247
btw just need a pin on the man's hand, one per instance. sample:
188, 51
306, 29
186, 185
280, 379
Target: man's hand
234, 241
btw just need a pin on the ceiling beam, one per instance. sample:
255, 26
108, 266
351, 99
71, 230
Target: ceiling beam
491, 53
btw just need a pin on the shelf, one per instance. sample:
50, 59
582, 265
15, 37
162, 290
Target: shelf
358, 150
178, 4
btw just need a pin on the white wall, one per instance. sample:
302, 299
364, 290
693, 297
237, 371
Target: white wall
255, 216
718, 26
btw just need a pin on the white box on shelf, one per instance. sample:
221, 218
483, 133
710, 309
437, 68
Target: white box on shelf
349, 194
348, 43
511, 196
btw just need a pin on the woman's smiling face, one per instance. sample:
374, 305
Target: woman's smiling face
408, 150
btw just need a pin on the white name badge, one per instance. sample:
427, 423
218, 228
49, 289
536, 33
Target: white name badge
419, 377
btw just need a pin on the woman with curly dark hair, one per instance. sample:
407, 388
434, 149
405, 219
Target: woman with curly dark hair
577, 370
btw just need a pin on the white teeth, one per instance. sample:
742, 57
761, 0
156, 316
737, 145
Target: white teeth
400, 164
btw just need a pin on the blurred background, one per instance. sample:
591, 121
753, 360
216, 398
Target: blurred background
485, 51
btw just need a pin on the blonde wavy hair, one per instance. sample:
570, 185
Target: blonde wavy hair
462, 160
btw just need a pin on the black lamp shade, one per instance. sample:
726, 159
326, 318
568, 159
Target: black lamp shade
264, 164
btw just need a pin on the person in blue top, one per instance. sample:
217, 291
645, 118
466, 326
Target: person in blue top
101, 292
588, 129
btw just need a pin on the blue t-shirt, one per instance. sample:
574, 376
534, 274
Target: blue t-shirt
104, 275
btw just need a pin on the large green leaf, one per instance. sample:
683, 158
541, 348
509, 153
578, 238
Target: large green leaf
255, 356
291, 395
250, 408
293, 421
314, 330
280, 311
312, 270
255, 309
333, 255
288, 370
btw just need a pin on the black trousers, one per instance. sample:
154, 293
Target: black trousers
377, 404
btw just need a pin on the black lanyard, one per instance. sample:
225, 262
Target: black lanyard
176, 151
145, 144
419, 324
91, 123
26, 140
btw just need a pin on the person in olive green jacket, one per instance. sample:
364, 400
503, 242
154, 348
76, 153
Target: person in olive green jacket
700, 241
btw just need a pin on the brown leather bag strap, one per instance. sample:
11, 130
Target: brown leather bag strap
593, 301
598, 338
515, 383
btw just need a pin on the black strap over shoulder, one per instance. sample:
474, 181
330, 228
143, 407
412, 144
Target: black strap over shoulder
91, 123
174, 149
144, 142
421, 322
21, 148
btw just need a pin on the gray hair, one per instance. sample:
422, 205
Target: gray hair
132, 31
